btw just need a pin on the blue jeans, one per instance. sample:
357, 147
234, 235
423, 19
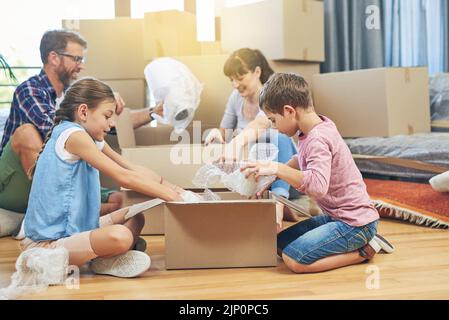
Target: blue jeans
323, 236
286, 151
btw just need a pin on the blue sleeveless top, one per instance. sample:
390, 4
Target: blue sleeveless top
65, 197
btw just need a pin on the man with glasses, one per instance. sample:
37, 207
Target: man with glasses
32, 113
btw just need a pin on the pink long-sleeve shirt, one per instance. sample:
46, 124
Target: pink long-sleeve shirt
331, 176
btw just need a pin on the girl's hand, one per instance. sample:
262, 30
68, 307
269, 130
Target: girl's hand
260, 168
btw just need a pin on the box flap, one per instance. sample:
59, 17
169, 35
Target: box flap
143, 206
291, 205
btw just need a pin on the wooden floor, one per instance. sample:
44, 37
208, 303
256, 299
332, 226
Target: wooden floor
419, 269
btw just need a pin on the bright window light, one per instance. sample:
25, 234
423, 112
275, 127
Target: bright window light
22, 29
205, 20
139, 7
235, 3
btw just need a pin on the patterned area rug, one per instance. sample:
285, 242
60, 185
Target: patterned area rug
413, 202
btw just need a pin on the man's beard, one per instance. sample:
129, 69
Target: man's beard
65, 77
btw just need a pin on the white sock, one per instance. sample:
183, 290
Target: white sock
440, 183
373, 243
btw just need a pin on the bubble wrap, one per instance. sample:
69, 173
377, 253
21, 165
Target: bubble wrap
37, 268
229, 174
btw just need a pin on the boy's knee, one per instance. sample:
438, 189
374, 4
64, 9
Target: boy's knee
295, 266
120, 237
26, 137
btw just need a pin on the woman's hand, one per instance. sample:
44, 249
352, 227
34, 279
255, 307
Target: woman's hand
214, 135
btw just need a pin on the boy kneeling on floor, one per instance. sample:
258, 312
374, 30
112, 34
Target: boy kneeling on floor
324, 170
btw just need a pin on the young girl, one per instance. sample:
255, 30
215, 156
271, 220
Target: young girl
64, 204
325, 170
248, 70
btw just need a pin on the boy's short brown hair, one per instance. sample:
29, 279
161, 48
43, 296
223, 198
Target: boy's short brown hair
285, 89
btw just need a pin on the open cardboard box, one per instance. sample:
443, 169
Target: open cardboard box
154, 217
177, 163
230, 233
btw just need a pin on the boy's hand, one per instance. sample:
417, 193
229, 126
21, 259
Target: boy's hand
260, 168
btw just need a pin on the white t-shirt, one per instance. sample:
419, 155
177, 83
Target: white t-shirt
61, 151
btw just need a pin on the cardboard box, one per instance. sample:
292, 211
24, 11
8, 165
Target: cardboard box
115, 47
223, 234
305, 69
154, 217
281, 29
211, 48
170, 33
147, 135
231, 233
375, 102
132, 91
176, 163
217, 88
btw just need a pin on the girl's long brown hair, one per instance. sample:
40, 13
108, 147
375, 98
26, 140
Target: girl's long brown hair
89, 91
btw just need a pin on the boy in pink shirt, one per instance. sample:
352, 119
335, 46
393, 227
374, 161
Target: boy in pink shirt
324, 170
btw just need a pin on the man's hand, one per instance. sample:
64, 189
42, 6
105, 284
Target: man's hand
159, 109
120, 103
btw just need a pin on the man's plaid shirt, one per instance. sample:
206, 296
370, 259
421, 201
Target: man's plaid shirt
34, 102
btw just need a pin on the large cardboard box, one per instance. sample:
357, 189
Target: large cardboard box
222, 234
305, 69
115, 47
132, 91
376, 102
170, 33
281, 29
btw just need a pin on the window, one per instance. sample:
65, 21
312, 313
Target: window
139, 7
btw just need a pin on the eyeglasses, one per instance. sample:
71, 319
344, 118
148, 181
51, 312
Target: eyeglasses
77, 59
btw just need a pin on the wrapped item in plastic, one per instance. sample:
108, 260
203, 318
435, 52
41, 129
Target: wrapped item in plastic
439, 96
172, 83
191, 197
37, 268
233, 179
210, 196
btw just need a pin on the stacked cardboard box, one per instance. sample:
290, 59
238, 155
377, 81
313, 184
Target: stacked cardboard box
281, 29
170, 33
115, 55
375, 102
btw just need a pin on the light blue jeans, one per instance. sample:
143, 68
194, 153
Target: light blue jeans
323, 236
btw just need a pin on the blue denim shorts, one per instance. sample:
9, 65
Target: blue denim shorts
323, 236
